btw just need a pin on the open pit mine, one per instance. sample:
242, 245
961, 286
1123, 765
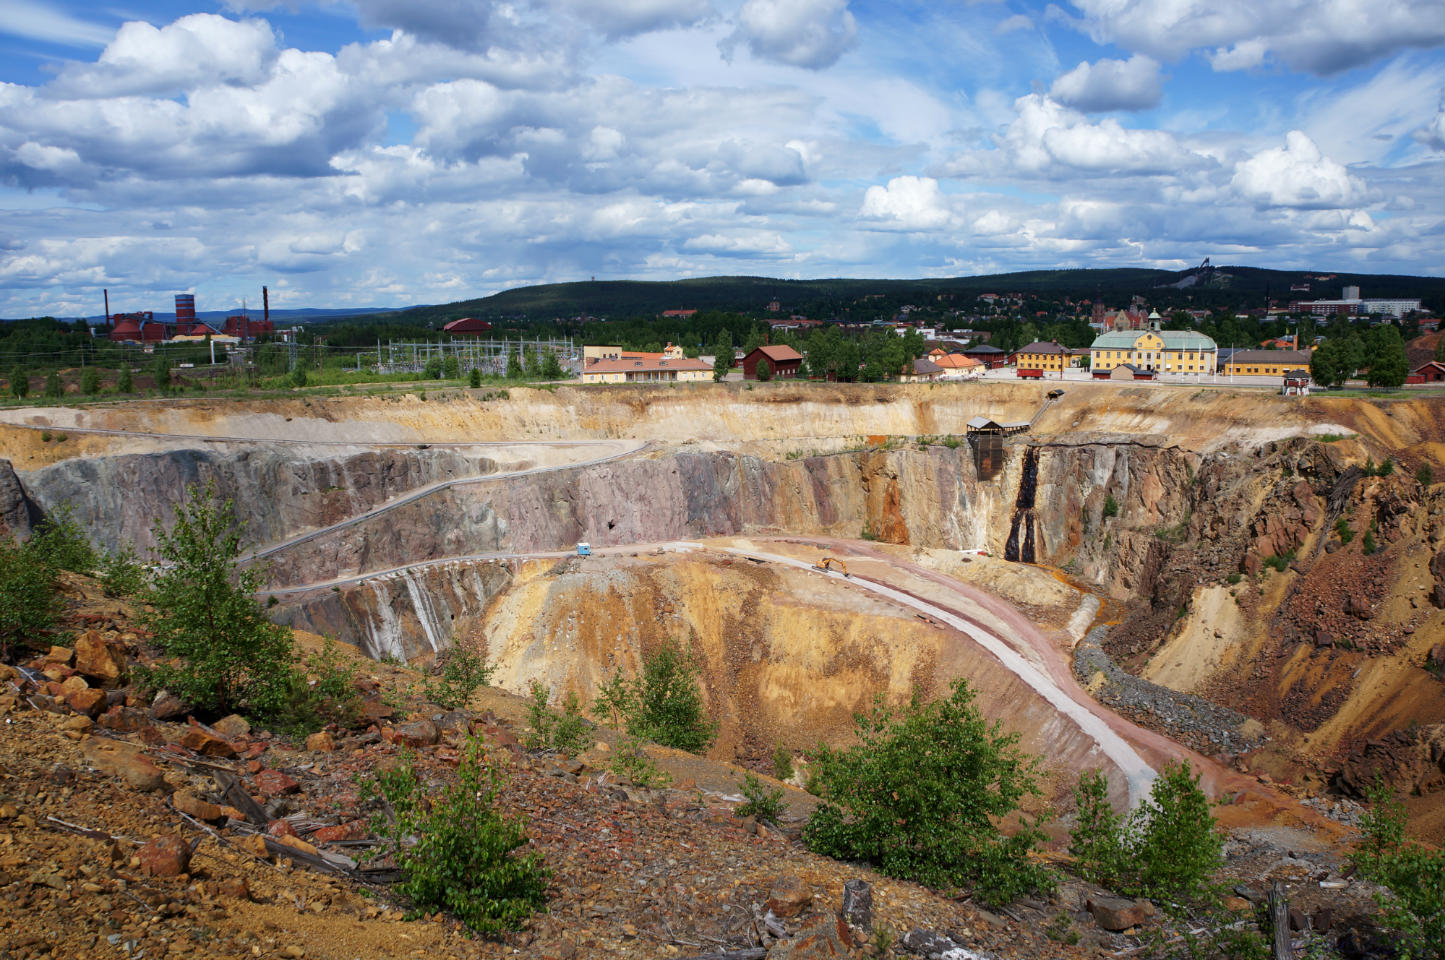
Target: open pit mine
1142, 575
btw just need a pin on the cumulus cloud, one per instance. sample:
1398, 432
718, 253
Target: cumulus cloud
1297, 175
800, 33
1318, 37
195, 50
1132, 84
1048, 139
749, 244
908, 203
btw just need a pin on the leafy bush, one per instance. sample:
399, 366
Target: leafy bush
782, 763
121, 573
451, 369
125, 383
1413, 878
226, 657
1343, 530
1368, 543
1111, 506
331, 692
630, 760
19, 382
664, 704
474, 379
464, 858
30, 602
759, 801
53, 387
565, 733
1424, 476
461, 670
920, 795
90, 381
298, 377
60, 541
1280, 561
1165, 849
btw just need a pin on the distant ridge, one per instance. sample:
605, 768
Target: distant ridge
619, 298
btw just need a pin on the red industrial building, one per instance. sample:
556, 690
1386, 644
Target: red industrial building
783, 361
467, 326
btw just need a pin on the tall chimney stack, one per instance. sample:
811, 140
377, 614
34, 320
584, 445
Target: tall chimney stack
265, 304
107, 307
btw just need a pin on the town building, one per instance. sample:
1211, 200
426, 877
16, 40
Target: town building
592, 354
1265, 363
1352, 303
783, 362
651, 369
1154, 350
956, 366
1432, 371
990, 356
922, 370
1045, 355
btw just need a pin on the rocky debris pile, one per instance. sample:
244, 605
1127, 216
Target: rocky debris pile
1412, 760
1203, 726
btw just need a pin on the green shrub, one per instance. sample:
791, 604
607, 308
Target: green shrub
759, 801
1424, 476
53, 387
1343, 530
90, 381
19, 382
1280, 561
30, 601
60, 541
1166, 848
224, 656
630, 760
457, 851
1412, 876
782, 763
664, 704
1386, 468
1235, 577
565, 733
1111, 506
474, 379
1368, 543
125, 383
121, 573
460, 672
919, 797
451, 369
331, 688
298, 377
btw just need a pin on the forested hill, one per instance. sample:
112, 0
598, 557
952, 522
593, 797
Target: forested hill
860, 299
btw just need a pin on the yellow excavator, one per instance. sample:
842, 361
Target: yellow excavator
823, 563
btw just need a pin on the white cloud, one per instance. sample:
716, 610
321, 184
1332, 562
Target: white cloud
41, 21
1317, 36
751, 243
1432, 134
195, 50
1132, 84
908, 203
1048, 139
620, 18
1016, 22
1297, 175
800, 33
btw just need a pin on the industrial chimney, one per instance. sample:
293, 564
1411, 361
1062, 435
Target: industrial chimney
107, 308
265, 305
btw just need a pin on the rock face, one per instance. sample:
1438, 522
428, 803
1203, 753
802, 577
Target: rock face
119, 499
17, 513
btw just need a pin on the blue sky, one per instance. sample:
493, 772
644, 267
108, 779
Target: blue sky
387, 152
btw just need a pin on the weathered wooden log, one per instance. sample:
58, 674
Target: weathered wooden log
1281, 948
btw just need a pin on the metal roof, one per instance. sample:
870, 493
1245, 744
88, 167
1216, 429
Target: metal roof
1173, 340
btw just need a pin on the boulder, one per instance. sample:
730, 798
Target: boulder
167, 706
192, 805
280, 828
206, 744
1116, 913
417, 733
822, 941
232, 726
60, 655
97, 658
88, 702
788, 896
168, 856
115, 758
321, 742
355, 830
274, 783
858, 904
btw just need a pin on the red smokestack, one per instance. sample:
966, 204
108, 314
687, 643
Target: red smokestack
266, 304
107, 307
